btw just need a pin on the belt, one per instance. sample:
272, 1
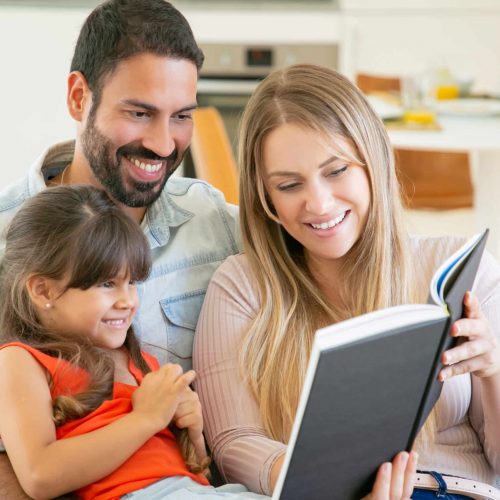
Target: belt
473, 489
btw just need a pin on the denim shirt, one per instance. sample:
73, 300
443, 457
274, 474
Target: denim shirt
191, 230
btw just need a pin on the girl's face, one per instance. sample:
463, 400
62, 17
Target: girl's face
102, 313
321, 200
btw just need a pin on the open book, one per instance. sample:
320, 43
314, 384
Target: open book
370, 384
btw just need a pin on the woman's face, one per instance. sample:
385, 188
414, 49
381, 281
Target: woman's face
321, 200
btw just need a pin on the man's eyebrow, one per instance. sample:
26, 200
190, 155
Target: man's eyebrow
149, 107
191, 107
139, 104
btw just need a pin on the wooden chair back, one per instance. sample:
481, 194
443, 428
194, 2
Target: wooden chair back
212, 155
428, 179
372, 83
434, 179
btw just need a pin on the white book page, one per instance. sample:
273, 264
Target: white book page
441, 276
311, 368
376, 322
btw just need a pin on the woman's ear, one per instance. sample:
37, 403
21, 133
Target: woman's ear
78, 95
41, 291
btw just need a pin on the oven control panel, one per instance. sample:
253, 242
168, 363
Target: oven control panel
254, 61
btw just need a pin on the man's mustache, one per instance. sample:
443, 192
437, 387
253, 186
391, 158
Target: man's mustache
140, 152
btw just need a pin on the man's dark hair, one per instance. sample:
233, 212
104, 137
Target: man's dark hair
119, 29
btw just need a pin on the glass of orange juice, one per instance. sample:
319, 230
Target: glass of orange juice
446, 85
417, 101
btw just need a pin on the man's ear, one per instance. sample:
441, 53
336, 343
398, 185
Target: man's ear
78, 95
41, 291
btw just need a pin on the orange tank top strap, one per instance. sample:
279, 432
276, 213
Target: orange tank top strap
67, 379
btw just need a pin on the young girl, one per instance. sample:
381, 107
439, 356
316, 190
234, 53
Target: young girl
321, 218
82, 408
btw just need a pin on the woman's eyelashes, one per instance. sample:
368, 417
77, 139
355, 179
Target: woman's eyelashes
289, 186
333, 172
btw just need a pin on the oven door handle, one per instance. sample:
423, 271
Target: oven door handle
214, 86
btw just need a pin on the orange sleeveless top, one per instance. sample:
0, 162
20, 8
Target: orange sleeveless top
159, 457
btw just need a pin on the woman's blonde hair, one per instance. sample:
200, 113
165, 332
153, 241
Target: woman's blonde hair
376, 273
78, 234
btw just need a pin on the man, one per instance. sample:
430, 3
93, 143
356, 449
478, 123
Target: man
132, 91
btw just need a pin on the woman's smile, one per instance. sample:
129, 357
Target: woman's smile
319, 198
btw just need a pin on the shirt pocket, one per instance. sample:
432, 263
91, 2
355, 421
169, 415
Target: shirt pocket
181, 314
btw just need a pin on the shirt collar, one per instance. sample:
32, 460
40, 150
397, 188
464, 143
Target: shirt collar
162, 215
51, 163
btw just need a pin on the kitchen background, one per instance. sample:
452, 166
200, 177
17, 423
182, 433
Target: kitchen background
386, 37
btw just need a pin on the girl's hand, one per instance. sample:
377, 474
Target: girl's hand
160, 393
478, 351
395, 480
188, 416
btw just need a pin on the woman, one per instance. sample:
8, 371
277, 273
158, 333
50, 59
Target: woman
321, 218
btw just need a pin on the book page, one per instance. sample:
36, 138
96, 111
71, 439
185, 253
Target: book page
449, 270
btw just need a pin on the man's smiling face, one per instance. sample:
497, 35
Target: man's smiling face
139, 130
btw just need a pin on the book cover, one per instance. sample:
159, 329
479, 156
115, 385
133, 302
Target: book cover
370, 384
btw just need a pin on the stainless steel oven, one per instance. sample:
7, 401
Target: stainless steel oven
232, 71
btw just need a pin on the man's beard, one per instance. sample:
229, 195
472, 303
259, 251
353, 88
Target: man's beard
106, 167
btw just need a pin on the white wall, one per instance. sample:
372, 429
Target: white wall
36, 46
395, 41
396, 36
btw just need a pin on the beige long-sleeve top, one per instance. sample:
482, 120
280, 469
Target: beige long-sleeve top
467, 443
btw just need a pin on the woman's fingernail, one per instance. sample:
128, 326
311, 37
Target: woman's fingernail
446, 359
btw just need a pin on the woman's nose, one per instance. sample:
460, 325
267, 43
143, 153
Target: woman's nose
320, 200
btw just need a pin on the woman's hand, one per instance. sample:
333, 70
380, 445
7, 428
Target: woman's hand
188, 416
395, 481
478, 351
160, 394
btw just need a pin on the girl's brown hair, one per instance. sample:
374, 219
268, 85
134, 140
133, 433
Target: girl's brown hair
78, 234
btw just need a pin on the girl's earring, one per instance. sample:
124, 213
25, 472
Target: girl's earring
48, 305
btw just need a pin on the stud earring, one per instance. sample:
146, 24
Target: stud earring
48, 305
